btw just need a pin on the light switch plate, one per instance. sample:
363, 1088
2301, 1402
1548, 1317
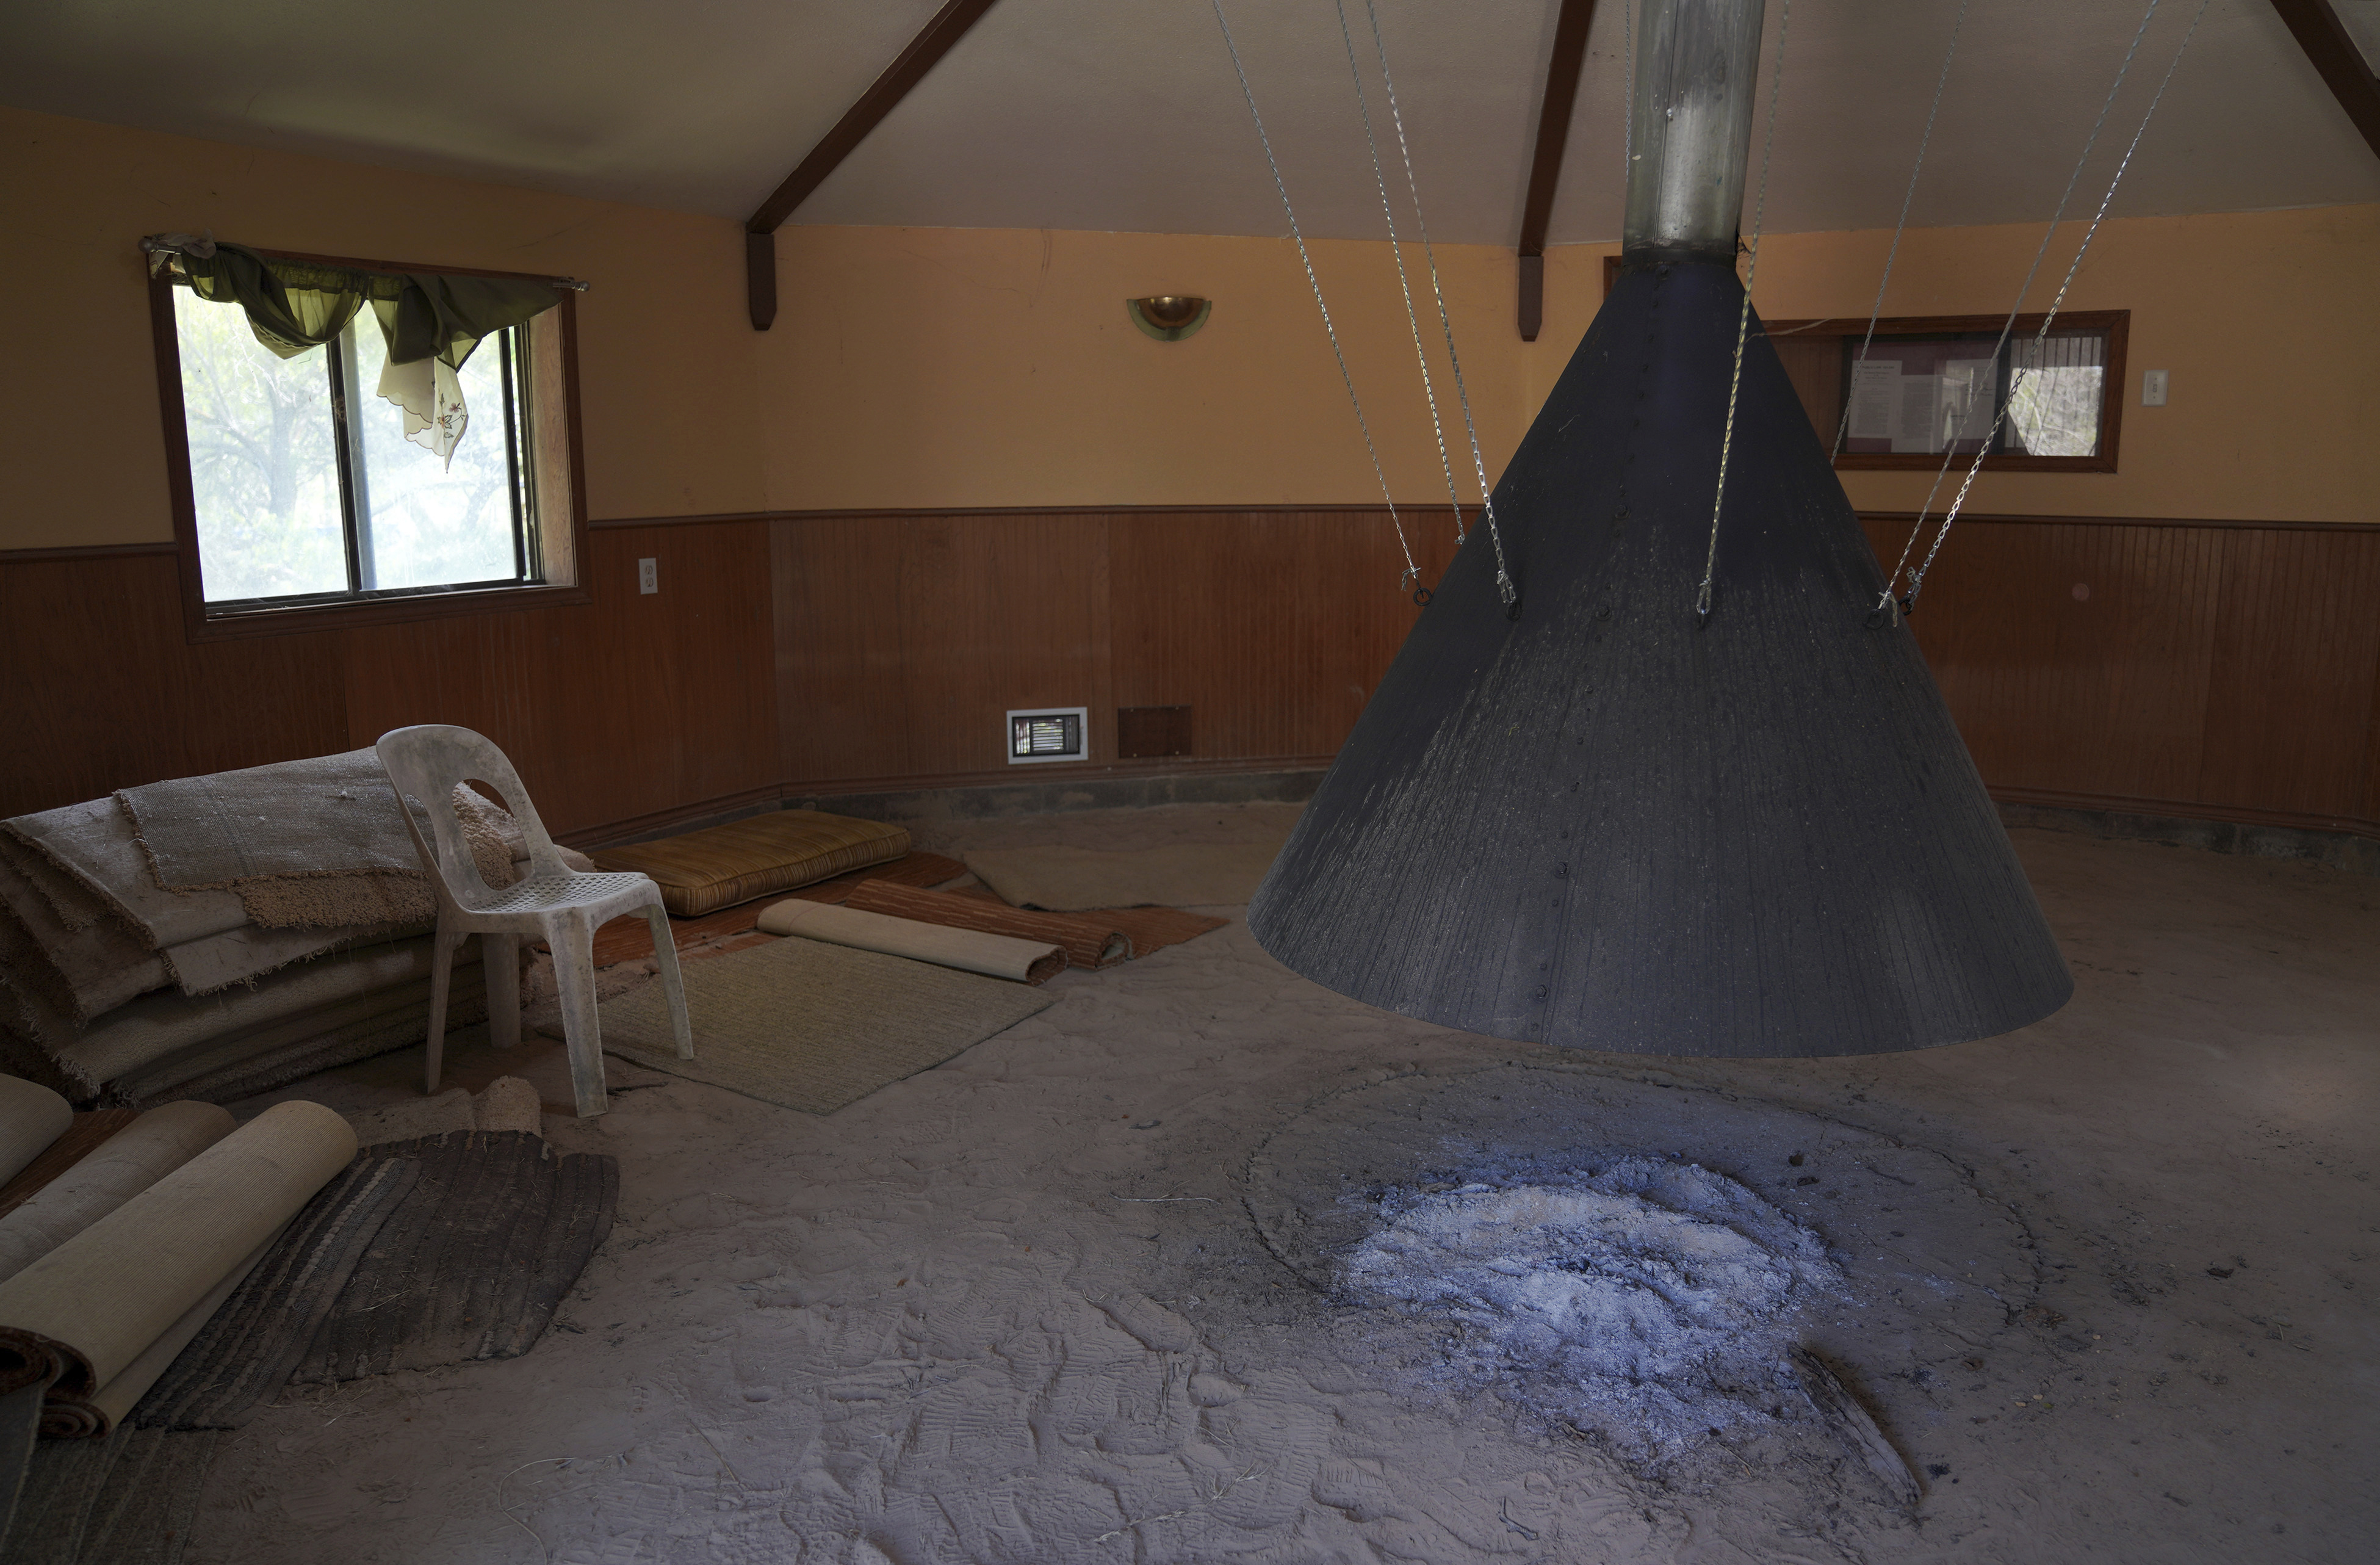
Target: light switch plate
2153, 388
649, 575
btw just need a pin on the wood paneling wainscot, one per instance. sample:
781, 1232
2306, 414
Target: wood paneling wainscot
629, 708
904, 638
2226, 670
637, 706
101, 688
1273, 627
2217, 669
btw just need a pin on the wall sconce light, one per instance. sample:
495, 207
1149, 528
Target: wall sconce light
1169, 317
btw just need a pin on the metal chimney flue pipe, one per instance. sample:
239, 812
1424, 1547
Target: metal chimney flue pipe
1698, 63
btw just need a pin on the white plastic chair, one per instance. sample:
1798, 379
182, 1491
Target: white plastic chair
563, 906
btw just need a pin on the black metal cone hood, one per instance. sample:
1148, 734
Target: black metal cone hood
1602, 826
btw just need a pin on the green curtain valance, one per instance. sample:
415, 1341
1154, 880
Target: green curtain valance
429, 321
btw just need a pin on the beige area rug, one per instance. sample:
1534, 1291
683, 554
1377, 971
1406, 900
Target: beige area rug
87, 864
1065, 880
93, 842
329, 814
338, 1036
318, 843
134, 1036
814, 1027
87, 969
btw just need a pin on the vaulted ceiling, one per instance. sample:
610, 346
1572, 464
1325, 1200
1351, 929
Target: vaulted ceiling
1126, 114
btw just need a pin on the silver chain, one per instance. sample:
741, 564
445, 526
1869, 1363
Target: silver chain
1744, 316
1628, 92
1504, 588
1405, 284
1886, 604
1412, 570
1907, 195
1917, 578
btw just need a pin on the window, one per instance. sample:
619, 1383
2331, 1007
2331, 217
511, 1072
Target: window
308, 498
1932, 387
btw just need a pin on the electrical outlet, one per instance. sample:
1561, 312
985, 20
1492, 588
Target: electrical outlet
2153, 388
649, 575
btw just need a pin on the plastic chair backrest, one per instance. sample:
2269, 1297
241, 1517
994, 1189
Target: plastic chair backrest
426, 762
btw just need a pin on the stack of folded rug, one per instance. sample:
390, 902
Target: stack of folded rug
212, 937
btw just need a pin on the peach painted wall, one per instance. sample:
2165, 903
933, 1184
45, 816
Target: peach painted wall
2269, 324
665, 384
965, 368
956, 367
998, 367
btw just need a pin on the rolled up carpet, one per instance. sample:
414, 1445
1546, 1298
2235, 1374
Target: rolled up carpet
120, 1168
104, 1409
31, 1116
971, 951
1088, 942
89, 1131
84, 1314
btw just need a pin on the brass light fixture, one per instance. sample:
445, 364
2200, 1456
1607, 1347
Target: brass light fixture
1169, 317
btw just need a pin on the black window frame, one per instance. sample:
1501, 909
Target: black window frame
543, 450
1818, 354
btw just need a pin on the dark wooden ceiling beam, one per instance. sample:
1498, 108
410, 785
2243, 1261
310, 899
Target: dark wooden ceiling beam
923, 52
2337, 59
1545, 170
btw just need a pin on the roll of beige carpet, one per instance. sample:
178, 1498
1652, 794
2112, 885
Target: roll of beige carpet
119, 1168
100, 1412
1088, 942
81, 1315
998, 956
31, 1116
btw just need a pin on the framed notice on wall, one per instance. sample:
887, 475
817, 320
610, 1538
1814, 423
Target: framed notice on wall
1929, 387
1932, 386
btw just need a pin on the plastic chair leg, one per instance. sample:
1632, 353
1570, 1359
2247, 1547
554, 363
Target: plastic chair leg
500, 955
673, 986
442, 971
573, 943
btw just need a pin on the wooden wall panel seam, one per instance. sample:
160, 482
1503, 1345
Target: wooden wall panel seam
1471, 514
723, 518
85, 552
1993, 518
2186, 810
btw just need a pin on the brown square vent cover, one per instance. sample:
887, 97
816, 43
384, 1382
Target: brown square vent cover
1145, 732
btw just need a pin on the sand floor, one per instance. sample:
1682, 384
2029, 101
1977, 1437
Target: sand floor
2109, 1284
